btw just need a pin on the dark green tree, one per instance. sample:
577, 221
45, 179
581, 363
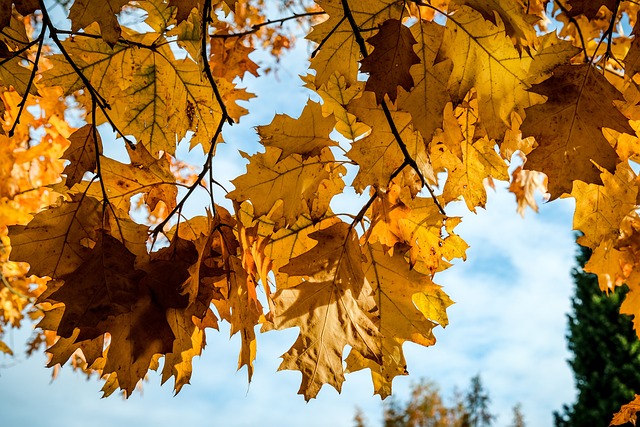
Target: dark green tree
606, 352
477, 404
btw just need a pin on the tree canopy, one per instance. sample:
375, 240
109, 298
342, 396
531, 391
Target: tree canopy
417, 105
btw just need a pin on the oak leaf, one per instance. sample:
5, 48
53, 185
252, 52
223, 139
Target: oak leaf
55, 242
85, 12
337, 94
389, 63
326, 309
628, 413
85, 144
428, 98
106, 285
601, 208
568, 127
293, 180
24, 7
339, 50
589, 8
378, 154
289, 136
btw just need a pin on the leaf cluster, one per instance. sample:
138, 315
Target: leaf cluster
425, 101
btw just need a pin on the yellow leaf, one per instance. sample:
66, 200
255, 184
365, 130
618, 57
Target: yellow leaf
428, 98
601, 208
85, 12
628, 413
326, 309
293, 180
53, 243
307, 135
336, 94
379, 154
484, 57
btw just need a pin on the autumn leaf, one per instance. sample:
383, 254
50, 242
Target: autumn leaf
327, 303
106, 285
269, 180
628, 413
427, 99
568, 127
339, 50
285, 133
24, 7
64, 233
601, 209
85, 146
336, 95
379, 154
518, 23
389, 63
85, 12
589, 8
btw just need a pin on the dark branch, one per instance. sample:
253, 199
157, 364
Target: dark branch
256, 27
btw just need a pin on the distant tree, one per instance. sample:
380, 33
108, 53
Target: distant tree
477, 404
359, 419
427, 408
518, 417
606, 352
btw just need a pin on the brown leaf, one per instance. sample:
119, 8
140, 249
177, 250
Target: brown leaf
24, 7
568, 127
105, 285
81, 153
589, 8
628, 413
389, 63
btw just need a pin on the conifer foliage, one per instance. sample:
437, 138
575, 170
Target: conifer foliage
426, 101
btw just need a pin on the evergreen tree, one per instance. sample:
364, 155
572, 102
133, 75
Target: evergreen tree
606, 353
477, 404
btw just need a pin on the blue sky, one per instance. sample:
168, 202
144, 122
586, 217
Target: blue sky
508, 324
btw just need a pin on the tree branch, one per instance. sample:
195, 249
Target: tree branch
256, 27
34, 71
100, 100
408, 160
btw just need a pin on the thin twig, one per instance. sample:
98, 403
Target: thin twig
32, 77
322, 42
408, 160
207, 166
564, 9
100, 100
256, 27
206, 18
